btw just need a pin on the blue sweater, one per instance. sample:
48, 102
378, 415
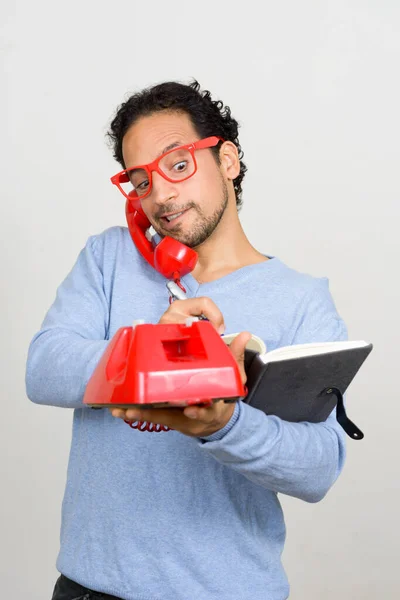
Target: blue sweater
164, 516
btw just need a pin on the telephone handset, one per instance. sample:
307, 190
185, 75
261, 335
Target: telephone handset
169, 257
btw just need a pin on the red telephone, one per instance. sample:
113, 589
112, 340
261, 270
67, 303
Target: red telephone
189, 364
170, 257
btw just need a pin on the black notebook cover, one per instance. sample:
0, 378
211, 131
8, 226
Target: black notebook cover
305, 388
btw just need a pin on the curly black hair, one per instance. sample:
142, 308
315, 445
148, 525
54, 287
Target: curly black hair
209, 117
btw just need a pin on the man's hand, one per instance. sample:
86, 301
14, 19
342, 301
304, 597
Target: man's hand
196, 421
180, 310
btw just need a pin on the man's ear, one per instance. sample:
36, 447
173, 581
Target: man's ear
229, 159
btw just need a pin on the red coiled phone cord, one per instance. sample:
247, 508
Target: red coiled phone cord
147, 426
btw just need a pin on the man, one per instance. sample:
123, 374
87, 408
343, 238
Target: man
189, 513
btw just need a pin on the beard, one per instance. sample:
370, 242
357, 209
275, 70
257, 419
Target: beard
203, 227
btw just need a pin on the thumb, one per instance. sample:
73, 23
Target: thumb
237, 347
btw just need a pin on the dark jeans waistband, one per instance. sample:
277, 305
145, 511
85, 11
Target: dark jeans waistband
66, 589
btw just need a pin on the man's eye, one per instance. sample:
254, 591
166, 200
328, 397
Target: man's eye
181, 165
141, 187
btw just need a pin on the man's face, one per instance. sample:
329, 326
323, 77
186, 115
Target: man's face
202, 199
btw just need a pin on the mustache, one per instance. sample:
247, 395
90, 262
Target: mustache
169, 209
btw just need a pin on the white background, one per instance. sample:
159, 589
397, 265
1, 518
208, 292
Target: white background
315, 86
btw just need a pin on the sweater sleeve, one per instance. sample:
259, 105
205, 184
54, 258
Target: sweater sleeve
298, 459
64, 353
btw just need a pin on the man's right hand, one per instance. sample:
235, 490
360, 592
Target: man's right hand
180, 310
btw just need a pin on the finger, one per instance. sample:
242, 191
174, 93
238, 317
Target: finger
118, 413
172, 417
163, 416
238, 347
205, 414
179, 310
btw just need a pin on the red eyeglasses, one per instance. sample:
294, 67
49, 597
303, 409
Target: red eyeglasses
176, 165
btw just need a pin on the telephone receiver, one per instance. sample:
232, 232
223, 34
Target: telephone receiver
169, 257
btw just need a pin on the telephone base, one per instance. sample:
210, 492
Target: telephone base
165, 365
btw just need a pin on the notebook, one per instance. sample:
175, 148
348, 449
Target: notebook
303, 382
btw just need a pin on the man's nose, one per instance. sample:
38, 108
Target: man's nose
162, 190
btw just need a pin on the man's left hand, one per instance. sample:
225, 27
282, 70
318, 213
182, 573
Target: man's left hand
195, 421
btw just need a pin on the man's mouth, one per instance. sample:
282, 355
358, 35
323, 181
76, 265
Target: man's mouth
173, 216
